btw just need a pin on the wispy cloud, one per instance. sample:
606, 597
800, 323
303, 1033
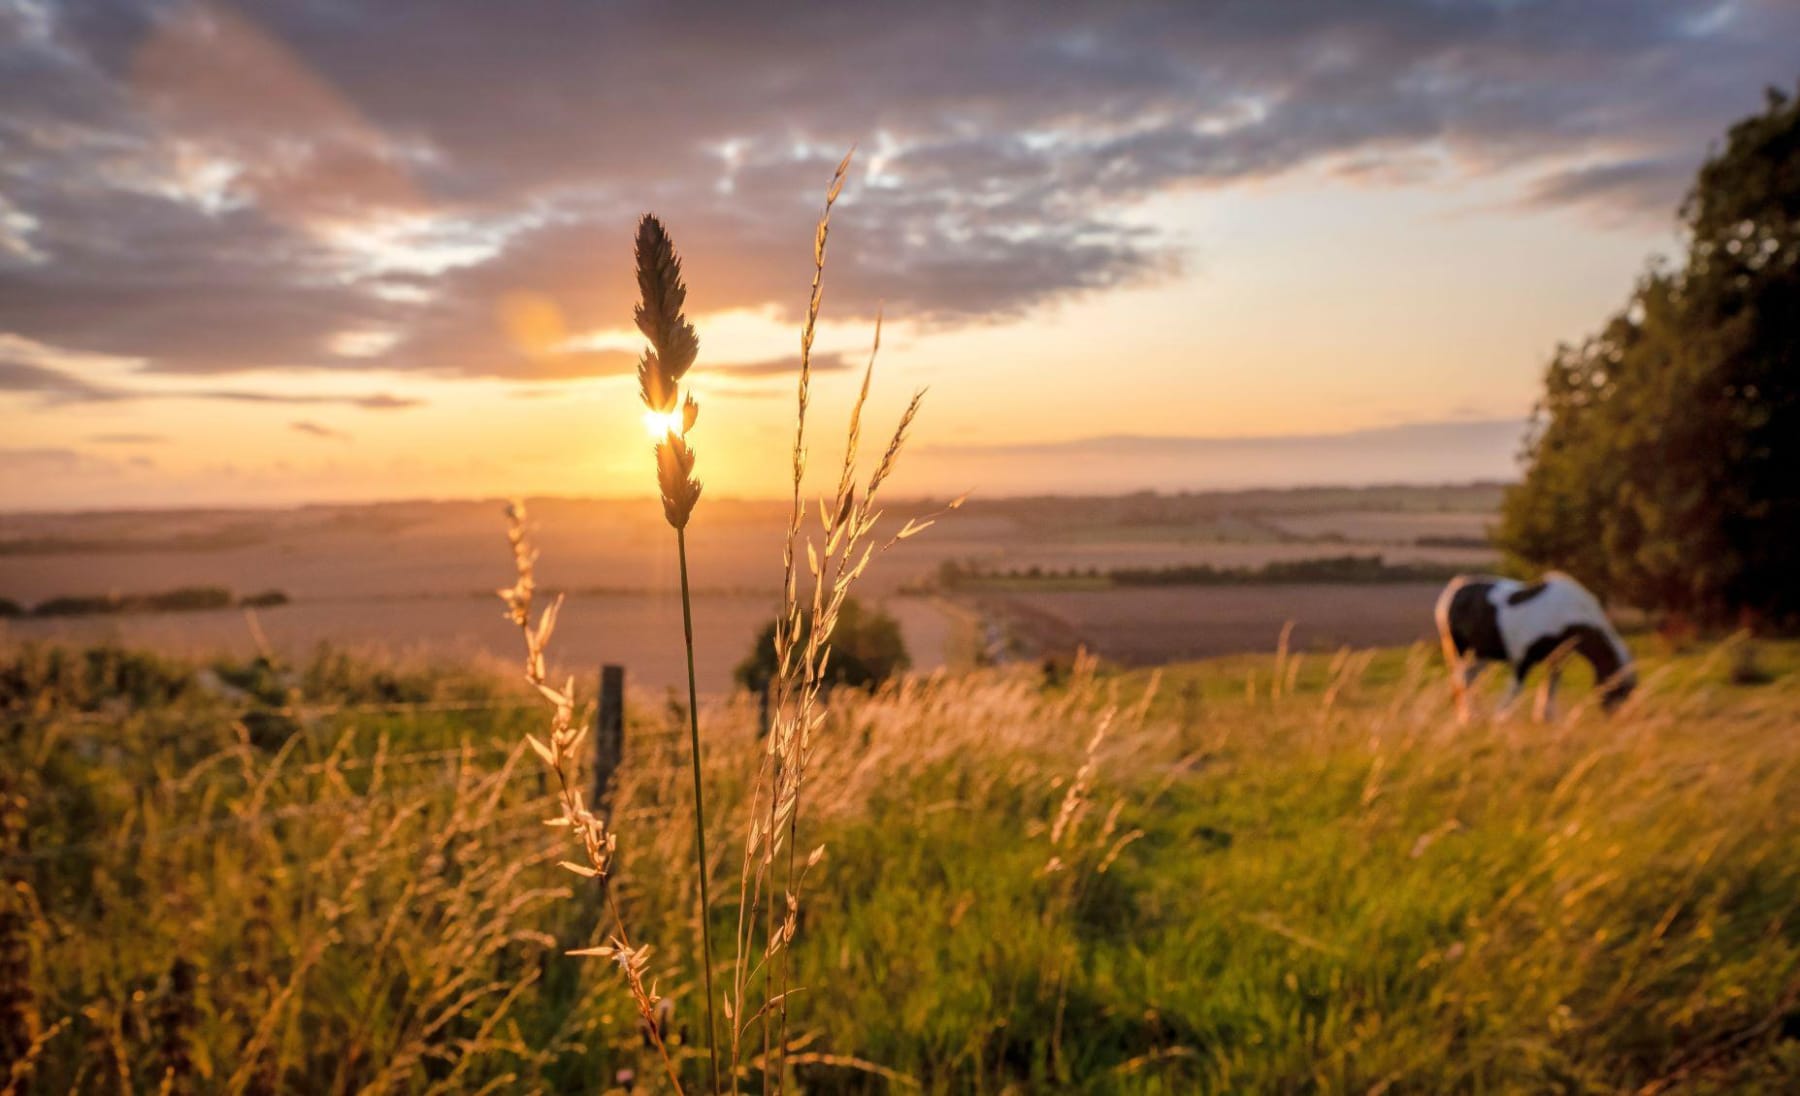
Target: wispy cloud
780, 367
304, 426
53, 385
1616, 190
57, 386
1420, 452
53, 460
128, 439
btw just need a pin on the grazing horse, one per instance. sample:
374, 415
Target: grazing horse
1483, 619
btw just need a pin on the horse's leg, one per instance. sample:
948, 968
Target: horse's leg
1512, 696
1457, 665
1545, 711
1465, 691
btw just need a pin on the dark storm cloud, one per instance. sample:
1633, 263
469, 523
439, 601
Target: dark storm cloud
222, 187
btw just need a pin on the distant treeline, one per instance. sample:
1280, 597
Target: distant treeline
183, 599
237, 536
1347, 569
1357, 570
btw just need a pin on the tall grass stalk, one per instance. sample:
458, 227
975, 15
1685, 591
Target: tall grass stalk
673, 347
687, 629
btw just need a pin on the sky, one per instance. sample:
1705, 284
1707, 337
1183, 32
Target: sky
265, 253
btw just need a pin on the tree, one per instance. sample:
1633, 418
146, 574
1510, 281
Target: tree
1661, 453
866, 650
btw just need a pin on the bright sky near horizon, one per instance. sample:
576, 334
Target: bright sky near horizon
270, 252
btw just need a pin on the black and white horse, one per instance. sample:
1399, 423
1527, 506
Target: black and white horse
1483, 619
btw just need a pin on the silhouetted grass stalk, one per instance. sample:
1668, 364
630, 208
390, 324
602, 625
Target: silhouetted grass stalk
673, 347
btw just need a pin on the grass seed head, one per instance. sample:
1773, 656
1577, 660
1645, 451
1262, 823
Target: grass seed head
675, 478
672, 350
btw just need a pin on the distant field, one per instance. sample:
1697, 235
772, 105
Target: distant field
1400, 528
416, 576
1147, 626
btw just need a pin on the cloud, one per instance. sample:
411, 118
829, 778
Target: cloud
304, 426
1620, 190
1420, 452
52, 460
780, 367
128, 439
214, 188
53, 385
381, 401
56, 386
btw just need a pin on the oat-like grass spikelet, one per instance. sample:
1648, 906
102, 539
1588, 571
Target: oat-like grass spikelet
560, 756
835, 560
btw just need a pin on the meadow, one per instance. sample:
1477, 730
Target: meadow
1285, 873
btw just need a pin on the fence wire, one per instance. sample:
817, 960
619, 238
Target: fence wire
653, 740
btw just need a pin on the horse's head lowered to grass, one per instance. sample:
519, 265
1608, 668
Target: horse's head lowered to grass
1483, 619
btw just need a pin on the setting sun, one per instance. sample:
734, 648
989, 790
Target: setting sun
660, 424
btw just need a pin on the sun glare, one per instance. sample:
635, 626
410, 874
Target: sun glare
660, 424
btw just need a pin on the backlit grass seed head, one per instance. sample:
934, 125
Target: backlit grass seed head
673, 347
675, 478
673, 344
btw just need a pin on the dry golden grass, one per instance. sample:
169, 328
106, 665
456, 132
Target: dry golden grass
1266, 876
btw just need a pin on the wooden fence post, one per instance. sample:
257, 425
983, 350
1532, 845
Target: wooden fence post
609, 733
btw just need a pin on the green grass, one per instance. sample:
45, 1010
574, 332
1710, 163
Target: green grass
1335, 888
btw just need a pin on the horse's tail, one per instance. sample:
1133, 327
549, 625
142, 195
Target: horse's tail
1447, 639
1442, 612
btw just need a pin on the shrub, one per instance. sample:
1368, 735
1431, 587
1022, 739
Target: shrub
867, 649
179, 600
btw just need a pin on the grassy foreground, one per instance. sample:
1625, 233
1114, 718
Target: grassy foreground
1269, 874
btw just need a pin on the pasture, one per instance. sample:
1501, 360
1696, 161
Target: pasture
1255, 873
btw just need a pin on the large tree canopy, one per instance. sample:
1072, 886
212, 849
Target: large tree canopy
1661, 463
